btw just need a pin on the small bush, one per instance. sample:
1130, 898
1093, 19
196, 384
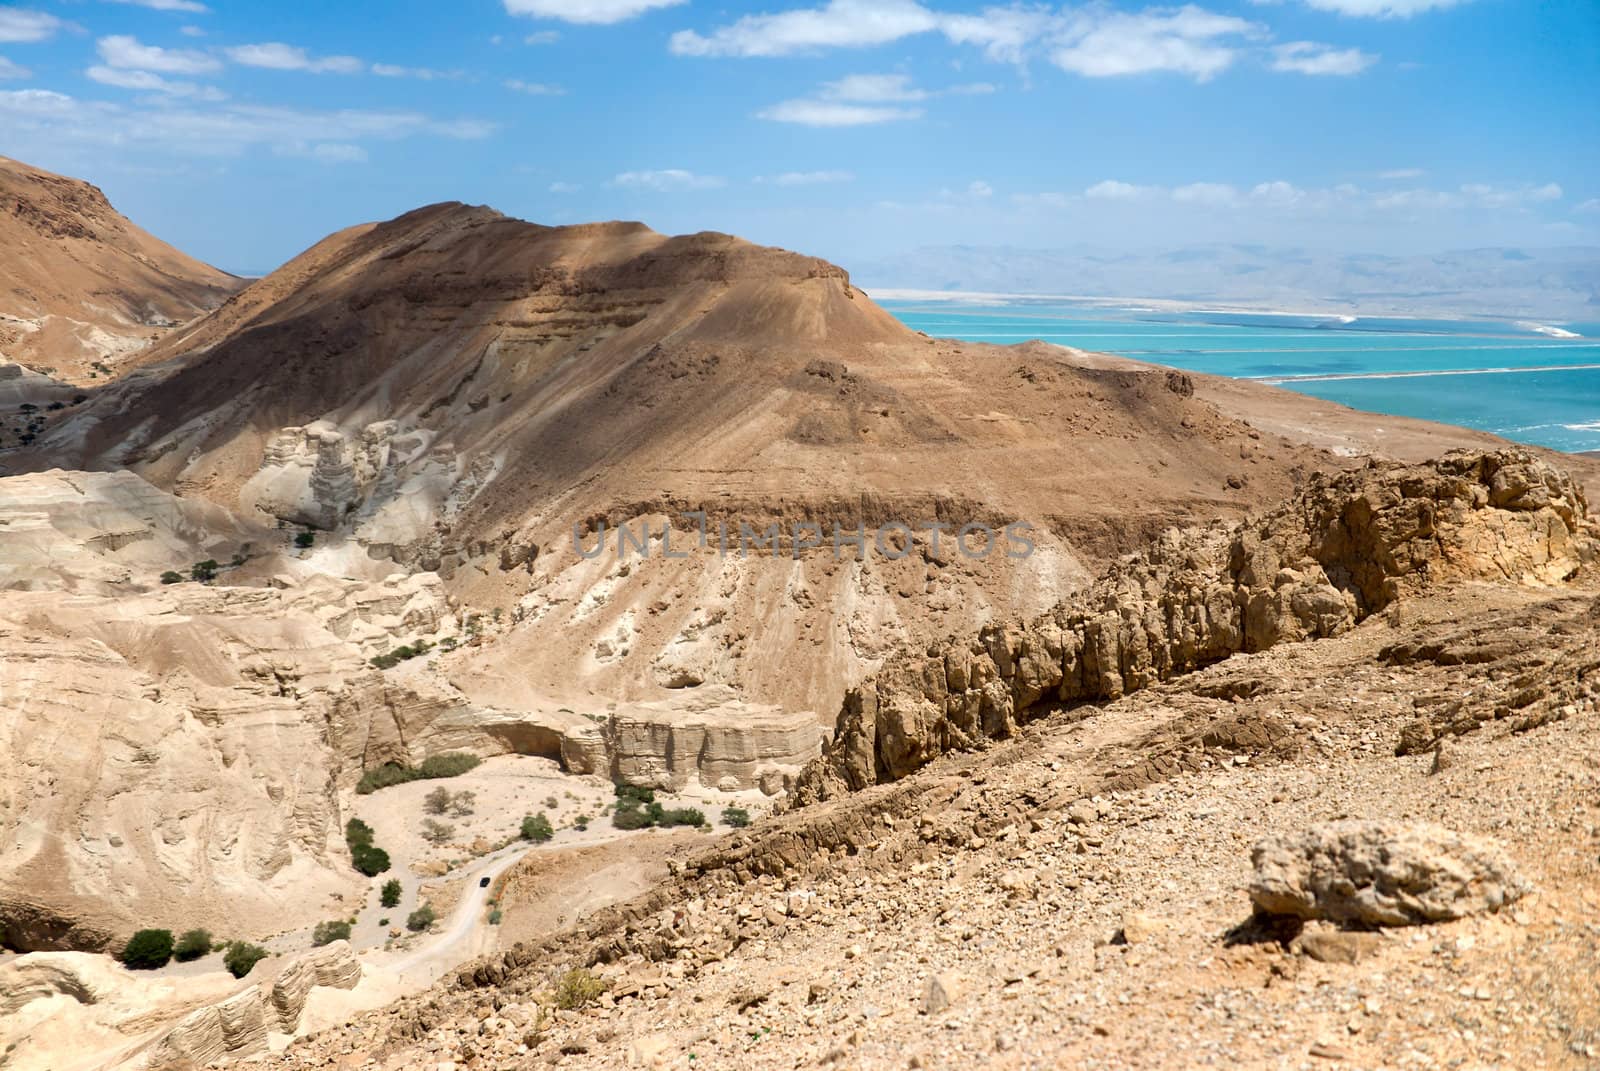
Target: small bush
536, 827
390, 895
328, 932
390, 773
305, 539
147, 950
551, 803
205, 571
420, 919
494, 917
437, 801
448, 764
737, 817
192, 946
369, 860
436, 832
357, 833
682, 816
464, 804
240, 956
383, 922
631, 818
577, 989
635, 793
170, 577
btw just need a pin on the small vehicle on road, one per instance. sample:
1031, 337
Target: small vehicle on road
483, 882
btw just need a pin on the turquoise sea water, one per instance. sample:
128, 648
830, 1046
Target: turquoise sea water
1505, 378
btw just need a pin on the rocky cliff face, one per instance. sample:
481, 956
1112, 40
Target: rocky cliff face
1346, 547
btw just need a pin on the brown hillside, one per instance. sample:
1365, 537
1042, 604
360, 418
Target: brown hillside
80, 284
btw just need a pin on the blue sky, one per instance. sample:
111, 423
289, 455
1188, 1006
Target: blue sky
243, 132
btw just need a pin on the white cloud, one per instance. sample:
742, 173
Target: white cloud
595, 12
543, 37
667, 180
873, 89
20, 26
151, 83
1591, 205
127, 53
534, 89
168, 5
1402, 173
1308, 57
809, 178
1514, 197
1099, 43
277, 56
980, 189
564, 187
426, 74
331, 152
1213, 194
1278, 194
224, 131
1112, 190
1381, 9
191, 31
835, 113
839, 24
10, 70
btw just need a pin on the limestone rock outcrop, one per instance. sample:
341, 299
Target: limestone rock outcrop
707, 736
1345, 547
1381, 874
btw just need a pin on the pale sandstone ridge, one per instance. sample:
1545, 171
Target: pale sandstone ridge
1345, 547
1381, 874
80, 285
708, 737
92, 1013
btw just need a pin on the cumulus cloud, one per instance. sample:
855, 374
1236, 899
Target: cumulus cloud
838, 24
873, 88
225, 131
277, 56
10, 70
168, 5
426, 74
151, 83
534, 89
1382, 9
835, 113
1112, 190
126, 53
1189, 40
1308, 57
668, 180
809, 178
596, 12
1214, 194
21, 26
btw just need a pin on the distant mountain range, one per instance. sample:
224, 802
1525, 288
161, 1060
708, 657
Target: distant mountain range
1540, 284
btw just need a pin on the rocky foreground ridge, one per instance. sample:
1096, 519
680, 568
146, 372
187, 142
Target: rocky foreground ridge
1346, 547
1244, 865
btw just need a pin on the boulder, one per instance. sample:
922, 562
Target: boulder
1381, 874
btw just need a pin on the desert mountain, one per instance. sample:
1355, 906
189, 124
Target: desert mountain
460, 391
82, 288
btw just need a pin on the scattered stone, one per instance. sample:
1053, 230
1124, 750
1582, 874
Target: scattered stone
1383, 874
939, 992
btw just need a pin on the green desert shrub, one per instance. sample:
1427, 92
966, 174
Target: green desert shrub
577, 989
170, 577
447, 764
305, 539
536, 827
240, 956
370, 860
390, 895
631, 818
204, 571
328, 932
420, 919
737, 817
635, 793
682, 816
147, 950
494, 917
192, 945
